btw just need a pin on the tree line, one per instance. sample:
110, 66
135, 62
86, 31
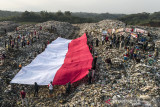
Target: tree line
148, 19
46, 16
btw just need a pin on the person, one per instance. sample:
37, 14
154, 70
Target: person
155, 54
68, 89
89, 77
90, 48
126, 55
131, 53
102, 39
110, 44
97, 41
135, 55
106, 39
93, 73
4, 56
20, 66
108, 60
35, 32
17, 44
16, 29
40, 27
27, 42
50, 89
5, 43
12, 43
86, 33
22, 43
23, 97
5, 31
36, 88
47, 42
95, 61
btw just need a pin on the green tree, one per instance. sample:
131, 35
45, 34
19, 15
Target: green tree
59, 13
67, 13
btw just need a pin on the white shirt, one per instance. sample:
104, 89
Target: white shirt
50, 87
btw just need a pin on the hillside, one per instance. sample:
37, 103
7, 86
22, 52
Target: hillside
126, 83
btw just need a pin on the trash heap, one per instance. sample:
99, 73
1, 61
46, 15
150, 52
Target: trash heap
8, 25
124, 83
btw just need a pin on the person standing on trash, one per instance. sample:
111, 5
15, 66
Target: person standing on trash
114, 38
155, 54
23, 97
93, 73
12, 43
50, 89
68, 89
95, 61
40, 28
22, 43
48, 42
36, 88
135, 55
103, 37
17, 44
126, 55
5, 31
5, 43
90, 48
117, 42
20, 66
3, 57
97, 42
131, 53
108, 61
89, 77
106, 39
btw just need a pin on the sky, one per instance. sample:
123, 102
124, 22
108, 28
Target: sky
94, 6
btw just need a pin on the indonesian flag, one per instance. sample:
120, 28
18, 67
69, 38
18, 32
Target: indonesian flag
104, 32
109, 31
134, 35
140, 30
120, 30
62, 61
128, 29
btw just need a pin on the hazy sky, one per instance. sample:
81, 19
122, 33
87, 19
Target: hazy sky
97, 6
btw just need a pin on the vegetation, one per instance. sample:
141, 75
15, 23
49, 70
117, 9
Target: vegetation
144, 18
98, 17
8, 13
45, 16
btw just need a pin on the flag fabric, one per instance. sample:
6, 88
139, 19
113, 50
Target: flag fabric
109, 31
134, 35
140, 30
128, 30
62, 61
104, 32
120, 30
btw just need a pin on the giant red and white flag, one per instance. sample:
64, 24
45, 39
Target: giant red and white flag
62, 61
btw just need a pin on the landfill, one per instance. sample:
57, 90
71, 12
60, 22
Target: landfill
123, 83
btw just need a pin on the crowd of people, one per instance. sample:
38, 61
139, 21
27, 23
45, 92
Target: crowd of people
135, 47
136, 44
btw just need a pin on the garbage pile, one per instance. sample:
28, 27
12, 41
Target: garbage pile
122, 77
8, 26
63, 29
